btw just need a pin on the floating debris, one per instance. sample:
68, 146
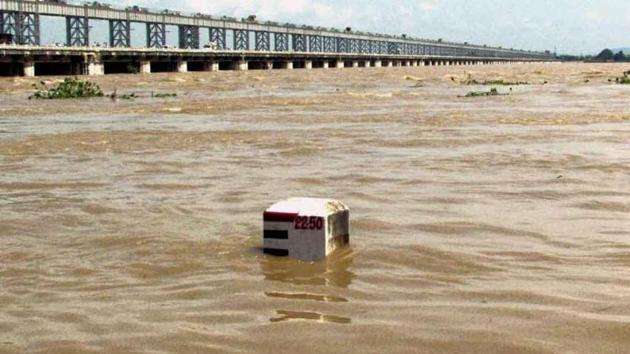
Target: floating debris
624, 80
493, 92
163, 95
499, 82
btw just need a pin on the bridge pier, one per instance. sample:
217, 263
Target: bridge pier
95, 68
308, 64
182, 66
269, 65
288, 65
145, 67
326, 64
242, 65
378, 64
339, 64
355, 64
29, 68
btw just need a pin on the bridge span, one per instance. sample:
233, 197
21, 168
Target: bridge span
253, 44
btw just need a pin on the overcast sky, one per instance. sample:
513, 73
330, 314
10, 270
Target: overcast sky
573, 26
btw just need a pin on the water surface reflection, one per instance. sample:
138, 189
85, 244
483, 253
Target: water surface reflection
317, 284
331, 272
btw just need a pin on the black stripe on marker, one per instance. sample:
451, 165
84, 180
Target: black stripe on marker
277, 234
276, 252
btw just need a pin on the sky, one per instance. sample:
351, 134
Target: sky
570, 26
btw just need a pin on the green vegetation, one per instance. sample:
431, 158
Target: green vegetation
69, 88
608, 55
75, 88
605, 55
163, 95
470, 81
132, 69
504, 83
493, 92
624, 80
126, 96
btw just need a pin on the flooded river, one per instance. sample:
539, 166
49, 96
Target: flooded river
479, 225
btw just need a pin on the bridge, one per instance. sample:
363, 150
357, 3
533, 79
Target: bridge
253, 45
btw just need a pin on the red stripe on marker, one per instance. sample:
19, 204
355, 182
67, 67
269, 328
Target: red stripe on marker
279, 217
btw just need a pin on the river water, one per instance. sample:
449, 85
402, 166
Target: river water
480, 225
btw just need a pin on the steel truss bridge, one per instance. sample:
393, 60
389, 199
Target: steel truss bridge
21, 19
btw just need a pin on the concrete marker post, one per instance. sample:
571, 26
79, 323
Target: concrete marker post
306, 229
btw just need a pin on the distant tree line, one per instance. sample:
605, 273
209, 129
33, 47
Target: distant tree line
605, 55
608, 55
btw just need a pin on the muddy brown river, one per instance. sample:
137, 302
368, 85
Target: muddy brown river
479, 225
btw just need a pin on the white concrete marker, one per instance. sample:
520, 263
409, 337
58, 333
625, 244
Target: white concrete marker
305, 228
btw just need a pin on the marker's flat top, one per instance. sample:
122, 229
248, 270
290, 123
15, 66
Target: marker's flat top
308, 206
